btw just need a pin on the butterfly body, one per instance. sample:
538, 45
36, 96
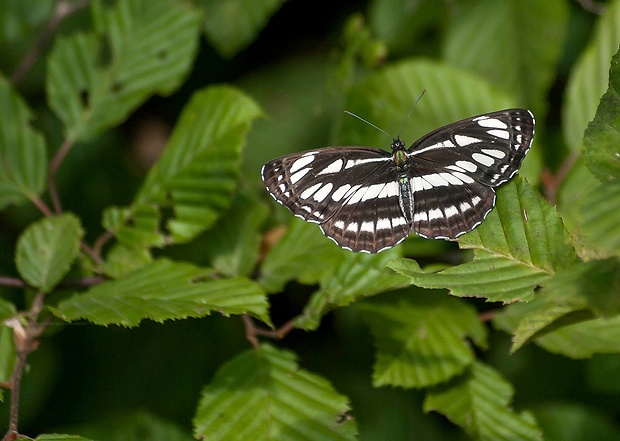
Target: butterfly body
368, 200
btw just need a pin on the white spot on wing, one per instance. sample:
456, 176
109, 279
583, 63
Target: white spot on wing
499, 133
495, 153
309, 191
352, 227
320, 195
339, 224
295, 177
451, 211
334, 167
483, 159
492, 123
464, 206
340, 192
384, 224
465, 140
301, 162
368, 226
435, 213
466, 165
353, 162
421, 216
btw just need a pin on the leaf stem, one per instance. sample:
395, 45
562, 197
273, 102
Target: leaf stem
59, 157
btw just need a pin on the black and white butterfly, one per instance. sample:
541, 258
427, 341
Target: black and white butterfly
368, 200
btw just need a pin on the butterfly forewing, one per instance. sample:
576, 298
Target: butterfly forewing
441, 187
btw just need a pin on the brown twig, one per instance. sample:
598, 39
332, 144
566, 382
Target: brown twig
26, 341
62, 10
251, 331
13, 282
552, 182
51, 175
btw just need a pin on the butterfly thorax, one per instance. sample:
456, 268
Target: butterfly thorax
399, 155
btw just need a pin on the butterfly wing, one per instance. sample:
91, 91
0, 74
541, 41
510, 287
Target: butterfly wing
352, 192
455, 168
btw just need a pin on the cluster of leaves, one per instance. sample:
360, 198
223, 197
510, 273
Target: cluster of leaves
553, 275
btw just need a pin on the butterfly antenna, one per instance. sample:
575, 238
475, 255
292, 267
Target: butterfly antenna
410, 112
368, 122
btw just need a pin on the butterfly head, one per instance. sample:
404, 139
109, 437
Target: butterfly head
399, 154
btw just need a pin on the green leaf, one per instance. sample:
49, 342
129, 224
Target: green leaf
7, 349
7, 309
575, 422
594, 285
231, 25
303, 253
601, 141
140, 48
46, 250
263, 394
590, 75
197, 174
520, 244
515, 44
479, 402
584, 339
233, 243
385, 98
599, 211
421, 337
23, 160
122, 260
574, 295
536, 318
356, 276
165, 290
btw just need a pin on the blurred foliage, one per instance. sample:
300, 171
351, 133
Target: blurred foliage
136, 229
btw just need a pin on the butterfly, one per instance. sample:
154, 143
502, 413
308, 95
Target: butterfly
368, 200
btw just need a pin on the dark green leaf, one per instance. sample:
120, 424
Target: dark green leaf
356, 276
23, 160
231, 25
421, 337
165, 290
263, 394
602, 138
479, 402
140, 48
46, 250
